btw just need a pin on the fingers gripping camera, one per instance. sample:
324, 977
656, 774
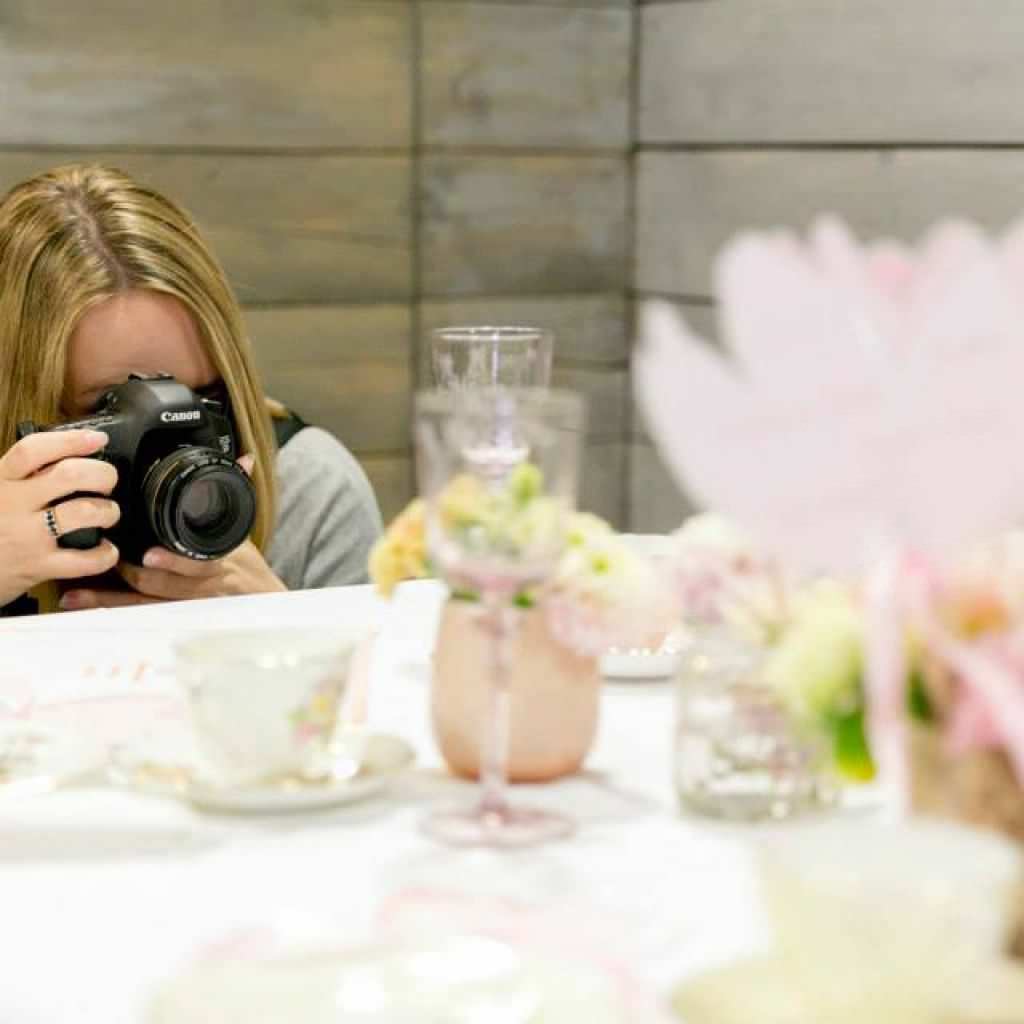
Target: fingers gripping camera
178, 484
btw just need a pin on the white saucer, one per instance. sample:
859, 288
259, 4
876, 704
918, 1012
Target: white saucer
646, 662
382, 758
640, 663
37, 758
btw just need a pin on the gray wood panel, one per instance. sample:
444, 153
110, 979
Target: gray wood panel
287, 228
523, 224
346, 369
656, 505
587, 328
688, 204
604, 482
831, 70
539, 3
501, 75
392, 479
195, 73
607, 397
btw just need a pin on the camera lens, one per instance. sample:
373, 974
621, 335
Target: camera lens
199, 503
206, 506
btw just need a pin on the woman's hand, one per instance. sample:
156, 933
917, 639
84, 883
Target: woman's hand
35, 474
165, 576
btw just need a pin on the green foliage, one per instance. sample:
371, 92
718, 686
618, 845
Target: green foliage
851, 751
918, 702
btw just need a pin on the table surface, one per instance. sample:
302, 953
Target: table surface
106, 893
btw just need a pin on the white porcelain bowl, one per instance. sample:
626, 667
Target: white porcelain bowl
885, 921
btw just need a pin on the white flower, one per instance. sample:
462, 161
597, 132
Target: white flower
603, 568
818, 664
720, 578
604, 594
710, 533
530, 530
585, 528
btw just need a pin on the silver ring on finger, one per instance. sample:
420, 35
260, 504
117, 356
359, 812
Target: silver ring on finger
51, 523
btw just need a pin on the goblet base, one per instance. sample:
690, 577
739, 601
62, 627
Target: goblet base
507, 827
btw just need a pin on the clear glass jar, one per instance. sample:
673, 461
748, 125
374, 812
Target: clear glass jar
738, 755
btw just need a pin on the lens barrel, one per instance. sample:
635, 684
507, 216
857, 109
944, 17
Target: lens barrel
199, 503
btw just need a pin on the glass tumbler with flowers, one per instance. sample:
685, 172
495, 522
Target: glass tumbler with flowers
740, 753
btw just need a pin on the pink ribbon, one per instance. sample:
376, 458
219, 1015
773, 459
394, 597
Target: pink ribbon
885, 661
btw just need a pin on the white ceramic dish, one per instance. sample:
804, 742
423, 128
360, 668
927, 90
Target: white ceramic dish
457, 979
381, 759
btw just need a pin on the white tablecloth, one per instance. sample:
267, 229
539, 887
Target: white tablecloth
104, 893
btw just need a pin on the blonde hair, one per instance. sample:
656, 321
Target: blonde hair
79, 234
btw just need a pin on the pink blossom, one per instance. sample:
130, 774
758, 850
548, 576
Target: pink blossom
973, 725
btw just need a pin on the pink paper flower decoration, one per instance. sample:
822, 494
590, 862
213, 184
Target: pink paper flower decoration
867, 392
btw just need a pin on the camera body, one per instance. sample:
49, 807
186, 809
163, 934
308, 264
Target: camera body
178, 483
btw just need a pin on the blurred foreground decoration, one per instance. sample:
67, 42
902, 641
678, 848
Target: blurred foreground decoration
866, 423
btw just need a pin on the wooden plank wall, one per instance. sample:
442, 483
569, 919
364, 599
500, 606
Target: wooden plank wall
755, 114
365, 170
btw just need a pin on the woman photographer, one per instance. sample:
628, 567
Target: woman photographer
102, 277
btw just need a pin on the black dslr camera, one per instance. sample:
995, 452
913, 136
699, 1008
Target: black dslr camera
177, 481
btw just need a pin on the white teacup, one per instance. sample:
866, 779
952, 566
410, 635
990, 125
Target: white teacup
265, 703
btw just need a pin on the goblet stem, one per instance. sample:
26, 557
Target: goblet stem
500, 622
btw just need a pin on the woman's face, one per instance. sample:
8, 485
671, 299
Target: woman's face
137, 331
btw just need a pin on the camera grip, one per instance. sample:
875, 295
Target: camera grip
87, 537
81, 540
77, 540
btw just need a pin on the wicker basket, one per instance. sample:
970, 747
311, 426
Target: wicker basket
979, 789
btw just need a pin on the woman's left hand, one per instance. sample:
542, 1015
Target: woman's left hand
165, 576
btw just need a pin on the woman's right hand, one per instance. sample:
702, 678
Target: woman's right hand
35, 474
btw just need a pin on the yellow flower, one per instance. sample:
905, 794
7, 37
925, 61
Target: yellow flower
401, 554
978, 610
526, 482
514, 519
464, 502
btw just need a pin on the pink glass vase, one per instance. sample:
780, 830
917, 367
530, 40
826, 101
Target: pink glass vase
554, 694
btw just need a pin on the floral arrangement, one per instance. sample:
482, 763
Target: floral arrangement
602, 594
863, 410
969, 620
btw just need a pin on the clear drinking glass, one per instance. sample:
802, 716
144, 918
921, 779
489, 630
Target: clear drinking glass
491, 357
498, 472
738, 753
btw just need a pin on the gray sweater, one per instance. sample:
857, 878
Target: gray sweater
327, 514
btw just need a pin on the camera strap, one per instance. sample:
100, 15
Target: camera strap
286, 427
